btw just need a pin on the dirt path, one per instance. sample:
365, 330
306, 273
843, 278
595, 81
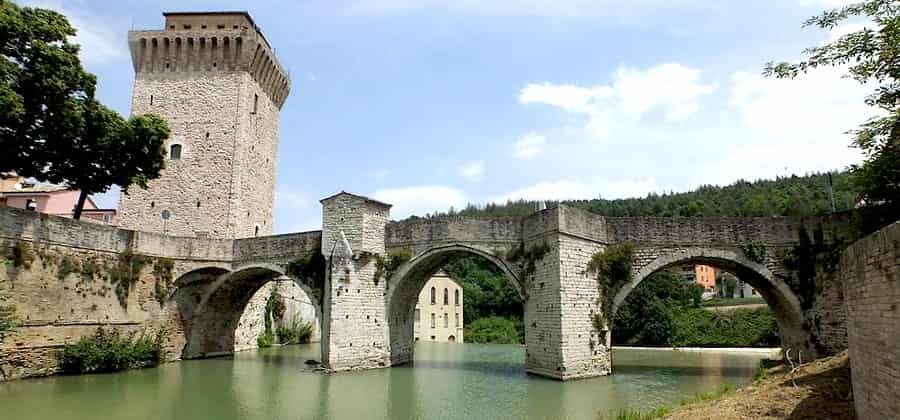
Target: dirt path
818, 390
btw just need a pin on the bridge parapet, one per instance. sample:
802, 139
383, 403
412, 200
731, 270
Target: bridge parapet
276, 248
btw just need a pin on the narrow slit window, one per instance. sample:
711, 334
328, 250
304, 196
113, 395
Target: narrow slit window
255, 102
433, 298
175, 152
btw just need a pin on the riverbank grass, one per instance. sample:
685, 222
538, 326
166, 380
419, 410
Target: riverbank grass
109, 351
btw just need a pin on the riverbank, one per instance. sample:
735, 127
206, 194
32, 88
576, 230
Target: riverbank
773, 353
816, 390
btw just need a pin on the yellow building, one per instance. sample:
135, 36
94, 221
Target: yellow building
439, 311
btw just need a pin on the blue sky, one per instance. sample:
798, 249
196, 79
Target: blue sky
435, 103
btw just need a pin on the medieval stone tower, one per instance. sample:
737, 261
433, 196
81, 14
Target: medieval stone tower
215, 78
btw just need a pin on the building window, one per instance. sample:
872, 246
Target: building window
151, 100
418, 315
106, 218
175, 152
31, 205
446, 320
187, 26
165, 215
255, 103
432, 320
451, 339
432, 296
256, 231
456, 297
446, 297
457, 319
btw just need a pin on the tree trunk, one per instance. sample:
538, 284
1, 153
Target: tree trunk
76, 213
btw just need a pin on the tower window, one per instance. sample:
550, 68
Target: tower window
175, 152
446, 320
187, 26
255, 103
221, 27
432, 321
432, 296
198, 204
418, 315
456, 297
256, 231
151, 100
446, 296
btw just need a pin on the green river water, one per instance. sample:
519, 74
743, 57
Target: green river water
447, 381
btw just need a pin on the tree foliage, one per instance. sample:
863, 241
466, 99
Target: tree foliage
51, 126
871, 56
492, 329
784, 196
664, 310
487, 293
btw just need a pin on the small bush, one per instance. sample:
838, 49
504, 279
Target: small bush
296, 332
110, 351
266, 339
493, 329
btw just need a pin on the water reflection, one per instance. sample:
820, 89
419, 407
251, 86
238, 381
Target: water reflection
447, 381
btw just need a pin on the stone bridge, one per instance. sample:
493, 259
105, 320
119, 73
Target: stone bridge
365, 290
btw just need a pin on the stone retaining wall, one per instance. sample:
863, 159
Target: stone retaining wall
870, 272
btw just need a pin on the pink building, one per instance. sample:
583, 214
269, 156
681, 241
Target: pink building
16, 191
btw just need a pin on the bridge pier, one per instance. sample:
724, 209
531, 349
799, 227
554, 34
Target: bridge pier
354, 322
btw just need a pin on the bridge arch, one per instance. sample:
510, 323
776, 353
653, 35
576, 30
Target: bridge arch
784, 303
222, 301
410, 278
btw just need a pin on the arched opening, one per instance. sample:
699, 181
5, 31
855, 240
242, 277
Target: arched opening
445, 320
215, 321
709, 270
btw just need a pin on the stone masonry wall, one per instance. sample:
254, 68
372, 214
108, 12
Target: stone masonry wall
870, 273
196, 188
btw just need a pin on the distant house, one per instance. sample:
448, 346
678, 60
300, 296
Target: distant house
58, 200
439, 311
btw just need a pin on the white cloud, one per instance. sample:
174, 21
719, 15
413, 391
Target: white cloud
529, 146
100, 41
420, 200
472, 171
670, 88
567, 189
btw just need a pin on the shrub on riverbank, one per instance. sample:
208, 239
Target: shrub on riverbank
266, 339
493, 329
109, 351
295, 332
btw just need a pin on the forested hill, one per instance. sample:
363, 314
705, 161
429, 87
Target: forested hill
787, 196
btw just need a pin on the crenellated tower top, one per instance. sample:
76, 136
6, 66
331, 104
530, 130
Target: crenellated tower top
206, 42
